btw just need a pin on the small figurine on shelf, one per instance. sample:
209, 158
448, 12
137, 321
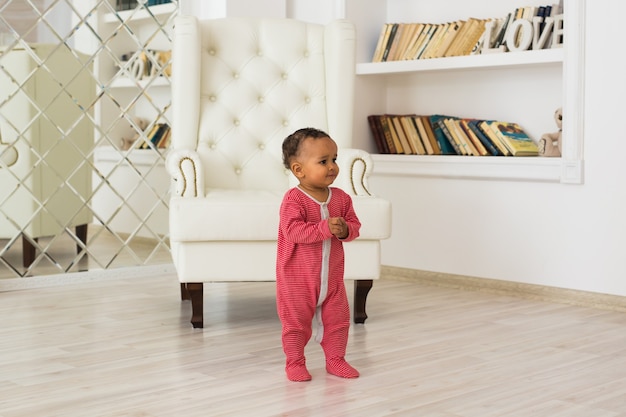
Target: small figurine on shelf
550, 143
131, 134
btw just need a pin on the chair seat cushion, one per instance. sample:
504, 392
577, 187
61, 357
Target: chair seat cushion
253, 215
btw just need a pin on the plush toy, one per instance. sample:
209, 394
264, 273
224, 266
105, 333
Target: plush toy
550, 143
130, 134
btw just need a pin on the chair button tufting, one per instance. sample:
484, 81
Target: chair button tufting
212, 146
238, 171
307, 100
261, 146
259, 53
235, 75
236, 122
306, 54
212, 98
284, 76
211, 51
261, 99
285, 123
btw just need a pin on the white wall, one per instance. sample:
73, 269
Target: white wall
561, 235
569, 236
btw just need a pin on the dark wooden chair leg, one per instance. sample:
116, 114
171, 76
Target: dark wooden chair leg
361, 288
196, 294
184, 294
28, 251
81, 234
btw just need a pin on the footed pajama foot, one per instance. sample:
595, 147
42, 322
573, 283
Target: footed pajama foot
339, 367
297, 371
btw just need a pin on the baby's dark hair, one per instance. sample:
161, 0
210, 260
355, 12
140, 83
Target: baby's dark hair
291, 144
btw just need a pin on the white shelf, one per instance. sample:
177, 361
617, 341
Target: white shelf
492, 60
140, 157
137, 15
127, 82
471, 167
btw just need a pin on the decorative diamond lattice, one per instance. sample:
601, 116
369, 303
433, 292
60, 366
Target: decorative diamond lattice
78, 81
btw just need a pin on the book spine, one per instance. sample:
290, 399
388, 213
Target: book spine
444, 129
493, 150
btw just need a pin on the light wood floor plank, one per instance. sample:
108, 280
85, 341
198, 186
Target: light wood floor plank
124, 347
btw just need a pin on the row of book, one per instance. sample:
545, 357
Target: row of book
410, 41
157, 137
131, 4
413, 134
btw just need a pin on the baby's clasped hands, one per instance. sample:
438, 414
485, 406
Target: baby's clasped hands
338, 227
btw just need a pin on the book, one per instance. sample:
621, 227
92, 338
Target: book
451, 34
484, 127
412, 45
482, 151
424, 121
435, 40
514, 138
407, 36
165, 138
380, 45
427, 38
377, 131
397, 40
153, 141
419, 126
391, 144
412, 134
413, 53
389, 41
406, 145
473, 126
143, 144
444, 143
473, 36
458, 39
450, 129
463, 137
448, 135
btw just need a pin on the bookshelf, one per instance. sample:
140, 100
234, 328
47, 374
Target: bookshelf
148, 97
472, 86
131, 187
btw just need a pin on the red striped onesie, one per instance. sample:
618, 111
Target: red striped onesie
309, 279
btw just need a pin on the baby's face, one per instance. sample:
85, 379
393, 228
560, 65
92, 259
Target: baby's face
318, 158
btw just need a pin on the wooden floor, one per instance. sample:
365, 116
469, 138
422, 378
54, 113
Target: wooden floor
124, 347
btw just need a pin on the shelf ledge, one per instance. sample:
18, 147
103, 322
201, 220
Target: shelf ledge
143, 13
493, 60
127, 82
141, 157
470, 167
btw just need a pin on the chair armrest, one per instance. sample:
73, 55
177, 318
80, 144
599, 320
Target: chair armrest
185, 168
8, 155
355, 167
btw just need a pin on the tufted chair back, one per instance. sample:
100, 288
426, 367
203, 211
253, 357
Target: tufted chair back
248, 83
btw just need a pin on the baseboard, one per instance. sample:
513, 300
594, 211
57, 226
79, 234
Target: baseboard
508, 288
42, 281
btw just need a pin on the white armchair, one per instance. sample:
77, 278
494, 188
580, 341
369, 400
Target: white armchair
45, 138
240, 86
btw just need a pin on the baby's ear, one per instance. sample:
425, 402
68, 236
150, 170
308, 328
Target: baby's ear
296, 168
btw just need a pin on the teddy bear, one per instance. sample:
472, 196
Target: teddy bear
130, 133
550, 143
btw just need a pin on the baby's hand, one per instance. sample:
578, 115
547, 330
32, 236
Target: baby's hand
338, 227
